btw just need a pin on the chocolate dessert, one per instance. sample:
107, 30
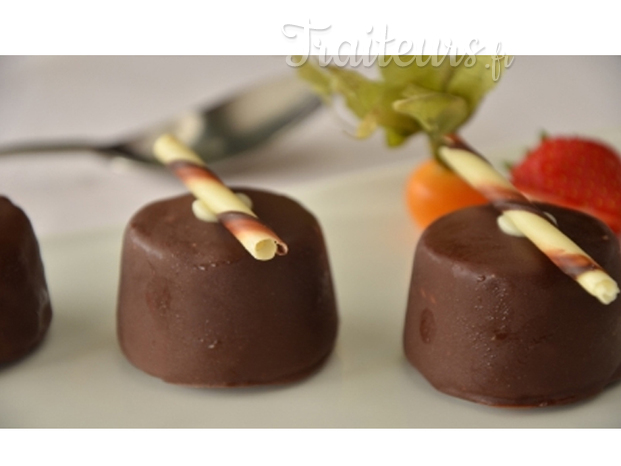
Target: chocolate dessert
25, 310
195, 308
491, 319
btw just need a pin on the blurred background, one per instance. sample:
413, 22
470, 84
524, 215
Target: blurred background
107, 98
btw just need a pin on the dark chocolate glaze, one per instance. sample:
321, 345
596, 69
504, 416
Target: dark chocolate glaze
196, 309
25, 310
491, 319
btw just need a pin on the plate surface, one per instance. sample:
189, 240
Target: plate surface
79, 378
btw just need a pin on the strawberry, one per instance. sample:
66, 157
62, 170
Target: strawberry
576, 173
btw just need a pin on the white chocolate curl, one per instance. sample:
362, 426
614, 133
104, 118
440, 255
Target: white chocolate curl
482, 176
509, 228
203, 212
215, 200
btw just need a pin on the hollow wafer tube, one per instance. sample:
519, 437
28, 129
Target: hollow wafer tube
204, 213
217, 199
528, 219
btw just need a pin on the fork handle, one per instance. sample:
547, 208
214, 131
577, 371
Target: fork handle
108, 151
69, 146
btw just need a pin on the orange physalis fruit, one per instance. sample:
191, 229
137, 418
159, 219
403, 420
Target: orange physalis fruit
433, 191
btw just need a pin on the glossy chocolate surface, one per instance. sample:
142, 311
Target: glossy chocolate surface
492, 320
25, 310
196, 309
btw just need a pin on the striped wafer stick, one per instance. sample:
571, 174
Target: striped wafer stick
528, 219
260, 241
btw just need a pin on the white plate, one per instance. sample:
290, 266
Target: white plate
79, 378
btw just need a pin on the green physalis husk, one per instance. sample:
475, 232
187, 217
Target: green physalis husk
434, 95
